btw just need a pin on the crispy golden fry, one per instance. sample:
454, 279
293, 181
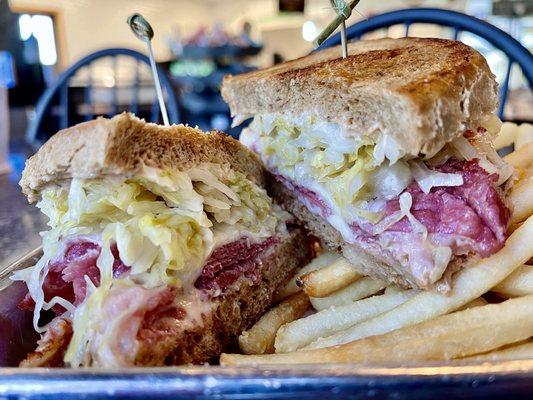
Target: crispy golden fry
521, 200
323, 282
297, 334
521, 351
480, 301
393, 289
259, 339
459, 334
360, 289
524, 135
521, 158
469, 284
519, 283
507, 135
322, 261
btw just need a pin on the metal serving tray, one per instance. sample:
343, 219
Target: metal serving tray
501, 380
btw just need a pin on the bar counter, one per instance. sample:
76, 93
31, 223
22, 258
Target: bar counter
20, 222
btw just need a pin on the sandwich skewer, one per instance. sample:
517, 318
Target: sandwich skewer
143, 30
344, 11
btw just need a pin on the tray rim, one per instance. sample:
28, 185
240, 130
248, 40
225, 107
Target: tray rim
449, 368
429, 380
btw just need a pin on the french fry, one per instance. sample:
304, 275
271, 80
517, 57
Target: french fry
289, 289
519, 283
393, 289
480, 301
297, 334
322, 261
521, 351
259, 339
521, 158
459, 334
521, 200
469, 284
360, 289
323, 282
507, 135
524, 135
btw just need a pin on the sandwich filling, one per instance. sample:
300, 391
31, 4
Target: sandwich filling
120, 249
415, 214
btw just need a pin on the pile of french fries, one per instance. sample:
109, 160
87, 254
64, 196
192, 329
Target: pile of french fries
357, 319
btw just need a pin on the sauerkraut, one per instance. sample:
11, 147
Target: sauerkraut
164, 225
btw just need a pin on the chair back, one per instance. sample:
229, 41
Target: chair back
513, 50
76, 95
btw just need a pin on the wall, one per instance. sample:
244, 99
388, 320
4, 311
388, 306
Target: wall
89, 25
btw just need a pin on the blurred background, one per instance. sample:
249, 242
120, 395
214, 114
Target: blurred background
196, 43
67, 61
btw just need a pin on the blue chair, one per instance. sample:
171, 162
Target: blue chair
515, 52
54, 103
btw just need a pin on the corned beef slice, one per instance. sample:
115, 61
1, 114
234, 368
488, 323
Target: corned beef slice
473, 210
225, 265
467, 218
66, 275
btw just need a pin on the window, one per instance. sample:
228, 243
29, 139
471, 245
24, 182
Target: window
41, 27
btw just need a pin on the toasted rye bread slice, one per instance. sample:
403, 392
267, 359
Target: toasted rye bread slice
421, 92
123, 144
234, 311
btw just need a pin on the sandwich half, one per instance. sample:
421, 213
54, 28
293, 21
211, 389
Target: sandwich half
385, 155
163, 245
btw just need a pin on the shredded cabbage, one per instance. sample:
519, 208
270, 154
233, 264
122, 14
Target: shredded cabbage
85, 322
355, 174
406, 202
487, 157
387, 222
388, 181
417, 255
104, 328
347, 171
351, 173
316, 153
160, 221
427, 178
483, 145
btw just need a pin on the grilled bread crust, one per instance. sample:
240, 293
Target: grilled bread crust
124, 144
421, 92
